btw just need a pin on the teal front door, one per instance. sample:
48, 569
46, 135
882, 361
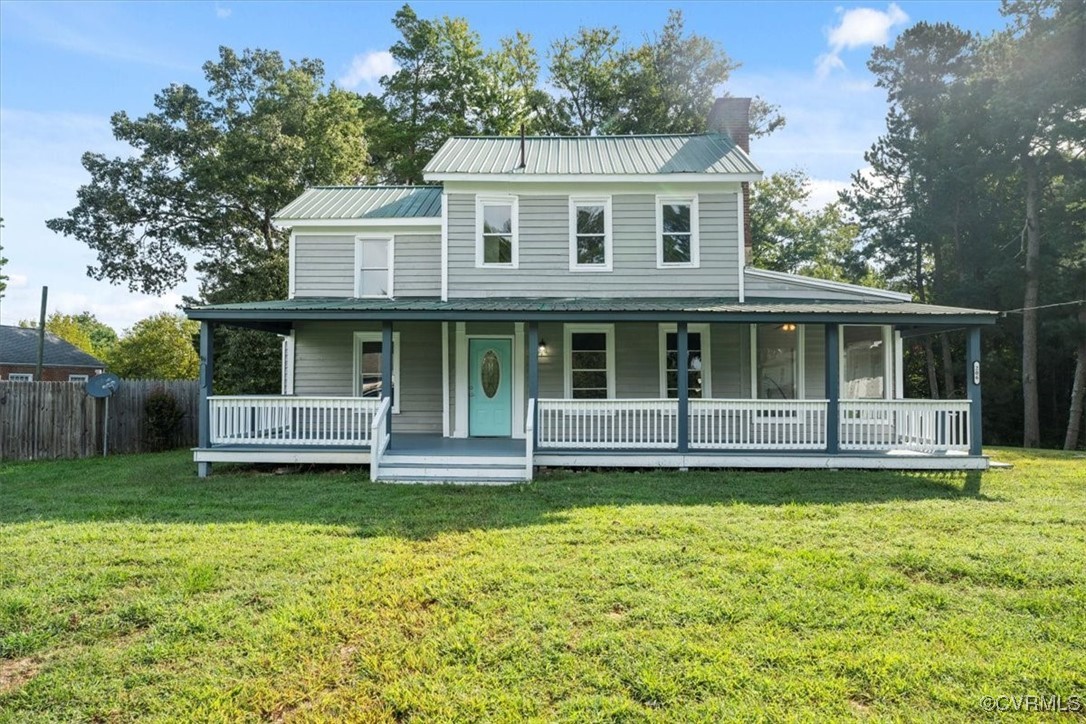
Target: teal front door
490, 388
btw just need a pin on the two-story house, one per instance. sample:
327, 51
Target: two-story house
581, 301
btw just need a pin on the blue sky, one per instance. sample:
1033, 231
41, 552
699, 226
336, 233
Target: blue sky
65, 67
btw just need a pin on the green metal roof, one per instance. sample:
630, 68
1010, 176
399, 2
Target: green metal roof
365, 202
710, 153
596, 309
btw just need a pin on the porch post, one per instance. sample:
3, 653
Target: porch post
386, 368
683, 366
207, 371
533, 375
833, 389
972, 386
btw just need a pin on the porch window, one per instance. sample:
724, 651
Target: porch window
590, 362
864, 352
367, 366
777, 361
496, 233
373, 260
590, 234
697, 366
677, 231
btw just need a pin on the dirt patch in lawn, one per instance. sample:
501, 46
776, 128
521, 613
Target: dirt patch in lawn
16, 672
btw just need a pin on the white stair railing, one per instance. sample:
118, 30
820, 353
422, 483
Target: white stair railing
380, 438
529, 441
757, 424
915, 425
608, 424
287, 420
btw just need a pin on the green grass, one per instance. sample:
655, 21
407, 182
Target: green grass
131, 589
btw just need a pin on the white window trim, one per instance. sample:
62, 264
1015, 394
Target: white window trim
567, 354
20, 377
358, 264
800, 367
78, 378
482, 200
608, 234
359, 338
706, 357
695, 235
888, 353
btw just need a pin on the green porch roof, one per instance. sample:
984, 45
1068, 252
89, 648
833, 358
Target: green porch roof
365, 202
704, 153
522, 309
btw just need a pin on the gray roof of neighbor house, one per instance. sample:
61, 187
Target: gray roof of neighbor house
706, 153
365, 202
19, 346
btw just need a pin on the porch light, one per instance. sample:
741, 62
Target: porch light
788, 327
542, 348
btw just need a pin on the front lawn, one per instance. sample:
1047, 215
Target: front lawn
131, 589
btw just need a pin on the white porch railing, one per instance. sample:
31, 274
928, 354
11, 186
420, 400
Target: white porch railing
286, 420
529, 441
757, 424
916, 425
380, 438
608, 424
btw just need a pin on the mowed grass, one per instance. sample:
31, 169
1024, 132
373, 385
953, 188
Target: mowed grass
130, 589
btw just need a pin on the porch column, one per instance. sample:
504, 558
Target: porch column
207, 372
533, 375
386, 368
683, 366
833, 389
972, 386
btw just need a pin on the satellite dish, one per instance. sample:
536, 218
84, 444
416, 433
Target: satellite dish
103, 385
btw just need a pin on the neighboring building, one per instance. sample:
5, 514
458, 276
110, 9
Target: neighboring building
576, 301
63, 361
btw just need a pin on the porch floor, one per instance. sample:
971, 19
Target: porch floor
416, 444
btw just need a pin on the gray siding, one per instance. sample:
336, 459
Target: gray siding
756, 286
324, 265
324, 365
544, 251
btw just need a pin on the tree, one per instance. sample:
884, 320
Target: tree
82, 330
3, 263
588, 69
160, 347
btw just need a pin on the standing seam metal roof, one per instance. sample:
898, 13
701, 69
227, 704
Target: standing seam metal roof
365, 202
711, 153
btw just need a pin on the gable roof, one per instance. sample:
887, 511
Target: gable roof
624, 156
364, 202
19, 346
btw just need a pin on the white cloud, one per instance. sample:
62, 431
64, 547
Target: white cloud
824, 191
222, 11
367, 69
858, 28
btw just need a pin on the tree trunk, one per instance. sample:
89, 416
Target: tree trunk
1031, 419
933, 378
1078, 389
948, 366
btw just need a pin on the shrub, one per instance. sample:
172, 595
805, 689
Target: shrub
163, 420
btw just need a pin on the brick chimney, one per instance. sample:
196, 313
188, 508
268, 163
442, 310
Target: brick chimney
731, 116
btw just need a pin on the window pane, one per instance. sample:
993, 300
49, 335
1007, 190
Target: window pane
586, 380
374, 254
588, 360
497, 249
497, 219
596, 393
374, 282
777, 359
589, 341
676, 218
591, 250
676, 248
865, 362
590, 220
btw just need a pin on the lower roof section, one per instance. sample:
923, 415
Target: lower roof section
274, 314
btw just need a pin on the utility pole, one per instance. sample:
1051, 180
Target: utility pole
41, 333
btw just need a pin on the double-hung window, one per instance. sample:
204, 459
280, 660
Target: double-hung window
368, 377
590, 234
496, 232
373, 266
698, 367
677, 243
590, 361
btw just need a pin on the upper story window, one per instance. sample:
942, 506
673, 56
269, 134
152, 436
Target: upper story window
590, 361
373, 266
496, 234
590, 233
677, 243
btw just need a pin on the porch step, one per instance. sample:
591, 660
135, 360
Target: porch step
448, 471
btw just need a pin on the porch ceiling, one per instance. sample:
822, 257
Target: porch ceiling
272, 314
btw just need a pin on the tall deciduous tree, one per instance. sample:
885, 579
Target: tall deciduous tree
160, 347
83, 330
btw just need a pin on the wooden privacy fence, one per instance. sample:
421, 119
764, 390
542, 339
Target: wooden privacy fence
43, 420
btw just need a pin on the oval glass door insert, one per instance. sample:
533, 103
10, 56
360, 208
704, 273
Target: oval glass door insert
490, 373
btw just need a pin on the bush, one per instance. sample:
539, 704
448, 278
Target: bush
163, 420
